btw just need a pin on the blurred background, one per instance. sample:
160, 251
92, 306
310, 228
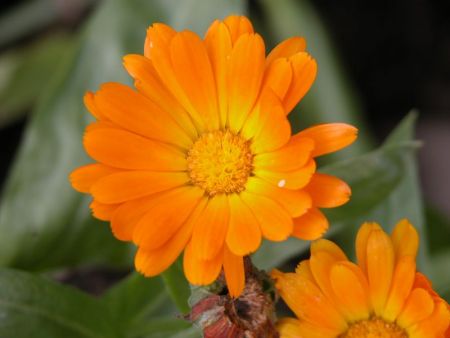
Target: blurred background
378, 61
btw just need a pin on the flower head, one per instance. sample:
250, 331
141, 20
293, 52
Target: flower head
381, 297
200, 157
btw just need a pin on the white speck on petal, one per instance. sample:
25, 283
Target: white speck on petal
282, 183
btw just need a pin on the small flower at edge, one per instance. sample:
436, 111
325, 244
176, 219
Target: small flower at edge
381, 296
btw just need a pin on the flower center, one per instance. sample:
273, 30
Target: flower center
220, 162
374, 327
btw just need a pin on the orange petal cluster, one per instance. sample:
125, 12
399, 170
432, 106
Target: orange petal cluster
382, 296
200, 158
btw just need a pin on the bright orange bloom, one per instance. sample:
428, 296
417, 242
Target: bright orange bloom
381, 297
200, 157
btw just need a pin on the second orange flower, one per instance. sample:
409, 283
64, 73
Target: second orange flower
201, 158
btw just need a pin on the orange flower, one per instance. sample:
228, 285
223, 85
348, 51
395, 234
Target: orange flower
381, 297
201, 158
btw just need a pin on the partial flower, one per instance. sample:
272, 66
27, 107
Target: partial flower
383, 296
200, 157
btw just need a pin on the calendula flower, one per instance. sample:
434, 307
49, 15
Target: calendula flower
381, 297
201, 158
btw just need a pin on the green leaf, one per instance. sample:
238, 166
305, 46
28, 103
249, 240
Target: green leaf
167, 328
438, 229
331, 98
197, 15
24, 71
384, 189
32, 16
57, 219
143, 308
441, 273
32, 306
177, 286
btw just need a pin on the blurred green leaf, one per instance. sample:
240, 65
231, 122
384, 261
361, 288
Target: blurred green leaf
197, 15
438, 229
32, 306
331, 98
28, 17
384, 189
57, 219
137, 307
177, 286
25, 72
441, 273
40, 213
144, 309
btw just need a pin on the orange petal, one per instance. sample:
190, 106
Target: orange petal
162, 60
152, 263
199, 271
324, 255
139, 115
92, 107
274, 220
211, 228
238, 25
405, 240
308, 302
157, 34
295, 154
304, 269
401, 286
128, 185
418, 307
320, 264
296, 179
103, 211
304, 71
128, 215
246, 69
436, 325
330, 137
278, 77
166, 217
267, 125
289, 328
84, 177
380, 268
328, 191
287, 48
122, 149
147, 81
219, 45
325, 245
293, 328
296, 202
233, 267
311, 225
244, 233
421, 281
192, 66
361, 243
351, 290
